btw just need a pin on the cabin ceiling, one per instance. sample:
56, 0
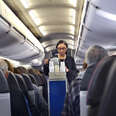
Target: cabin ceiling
50, 20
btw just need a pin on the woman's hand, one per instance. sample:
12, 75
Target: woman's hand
67, 70
46, 61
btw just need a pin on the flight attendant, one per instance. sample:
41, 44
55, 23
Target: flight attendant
71, 71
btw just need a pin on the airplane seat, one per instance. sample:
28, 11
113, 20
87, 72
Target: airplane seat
83, 106
97, 84
108, 101
30, 87
37, 81
26, 78
33, 79
42, 86
84, 90
18, 105
21, 83
32, 109
5, 107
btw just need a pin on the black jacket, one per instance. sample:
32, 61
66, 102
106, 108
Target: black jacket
70, 64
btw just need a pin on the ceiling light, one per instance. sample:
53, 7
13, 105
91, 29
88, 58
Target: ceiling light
73, 2
42, 30
72, 29
72, 15
107, 15
34, 17
25, 3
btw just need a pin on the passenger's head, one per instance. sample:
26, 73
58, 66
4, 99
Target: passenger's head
62, 47
84, 65
34, 71
94, 54
20, 70
10, 66
4, 67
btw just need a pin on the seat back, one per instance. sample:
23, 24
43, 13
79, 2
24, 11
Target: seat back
21, 83
32, 109
18, 104
84, 89
29, 84
83, 106
34, 81
97, 84
108, 101
38, 79
40, 89
4, 96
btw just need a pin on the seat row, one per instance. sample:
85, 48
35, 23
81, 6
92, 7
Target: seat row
21, 96
100, 100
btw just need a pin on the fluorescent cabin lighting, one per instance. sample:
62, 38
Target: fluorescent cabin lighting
107, 15
73, 2
25, 3
72, 15
42, 30
72, 29
34, 17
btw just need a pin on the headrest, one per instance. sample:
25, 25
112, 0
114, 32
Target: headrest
3, 83
98, 80
21, 82
38, 79
27, 81
12, 82
108, 102
33, 79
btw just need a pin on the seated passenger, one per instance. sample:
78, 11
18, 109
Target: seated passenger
4, 67
41, 82
72, 102
10, 66
40, 102
93, 55
82, 71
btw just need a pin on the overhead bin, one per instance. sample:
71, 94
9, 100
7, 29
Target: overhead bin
16, 40
10, 37
21, 51
4, 27
99, 26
